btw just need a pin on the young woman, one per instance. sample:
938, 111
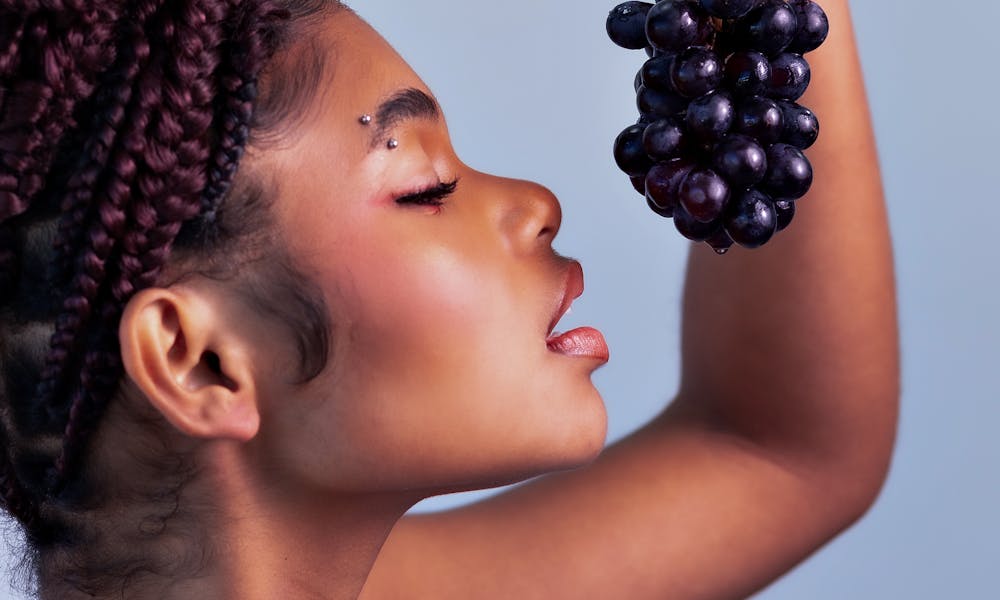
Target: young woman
253, 308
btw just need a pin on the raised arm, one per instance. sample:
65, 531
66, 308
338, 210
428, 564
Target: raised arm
779, 438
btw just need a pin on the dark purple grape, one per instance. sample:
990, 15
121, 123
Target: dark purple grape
710, 117
629, 154
663, 182
720, 241
637, 83
769, 28
785, 210
639, 183
692, 228
750, 219
655, 72
663, 212
659, 102
760, 118
740, 160
813, 26
789, 174
728, 9
789, 76
801, 127
627, 24
673, 25
703, 194
696, 72
662, 139
747, 73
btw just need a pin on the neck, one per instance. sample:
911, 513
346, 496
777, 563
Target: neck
273, 542
227, 535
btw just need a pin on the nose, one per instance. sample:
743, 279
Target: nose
529, 214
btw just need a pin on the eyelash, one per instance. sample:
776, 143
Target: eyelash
432, 196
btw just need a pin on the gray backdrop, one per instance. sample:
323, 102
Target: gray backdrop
533, 89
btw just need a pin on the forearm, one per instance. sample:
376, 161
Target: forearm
794, 345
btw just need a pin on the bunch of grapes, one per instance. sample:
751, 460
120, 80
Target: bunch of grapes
718, 145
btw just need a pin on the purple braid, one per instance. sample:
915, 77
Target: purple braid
173, 185
107, 222
43, 109
35, 110
122, 125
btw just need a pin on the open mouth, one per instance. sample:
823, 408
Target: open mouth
582, 342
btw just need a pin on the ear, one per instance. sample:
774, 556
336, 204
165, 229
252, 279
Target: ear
177, 348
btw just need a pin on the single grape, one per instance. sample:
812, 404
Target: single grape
629, 154
813, 26
696, 72
655, 72
750, 219
703, 194
659, 102
789, 174
785, 210
662, 139
627, 24
639, 183
740, 160
637, 83
769, 28
747, 73
801, 127
760, 118
663, 212
790, 76
673, 25
720, 241
663, 182
692, 228
710, 117
728, 9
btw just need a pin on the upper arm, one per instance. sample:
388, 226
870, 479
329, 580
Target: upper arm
676, 511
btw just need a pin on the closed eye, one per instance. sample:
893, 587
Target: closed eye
432, 196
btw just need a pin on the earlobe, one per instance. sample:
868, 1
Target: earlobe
178, 350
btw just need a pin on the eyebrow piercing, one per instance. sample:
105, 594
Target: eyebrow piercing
393, 144
365, 119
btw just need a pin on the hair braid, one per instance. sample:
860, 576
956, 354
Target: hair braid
41, 107
122, 125
243, 55
107, 219
172, 190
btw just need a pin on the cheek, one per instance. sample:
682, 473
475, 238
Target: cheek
442, 375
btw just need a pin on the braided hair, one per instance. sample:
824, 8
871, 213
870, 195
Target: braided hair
122, 125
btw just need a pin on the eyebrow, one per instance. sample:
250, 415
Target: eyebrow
403, 105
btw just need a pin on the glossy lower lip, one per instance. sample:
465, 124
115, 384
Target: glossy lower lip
583, 342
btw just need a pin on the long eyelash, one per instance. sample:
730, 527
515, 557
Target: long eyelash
433, 196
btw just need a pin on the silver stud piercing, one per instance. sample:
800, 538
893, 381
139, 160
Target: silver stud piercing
365, 119
393, 144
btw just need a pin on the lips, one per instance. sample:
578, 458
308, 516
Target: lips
583, 342
572, 289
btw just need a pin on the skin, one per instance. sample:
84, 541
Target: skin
440, 378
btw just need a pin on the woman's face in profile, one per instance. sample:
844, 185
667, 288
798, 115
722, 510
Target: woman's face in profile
440, 374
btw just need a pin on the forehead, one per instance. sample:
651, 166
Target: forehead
322, 84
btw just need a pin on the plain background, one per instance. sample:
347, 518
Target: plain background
533, 89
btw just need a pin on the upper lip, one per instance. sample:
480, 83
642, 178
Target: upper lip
572, 289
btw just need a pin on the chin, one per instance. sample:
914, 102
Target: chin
571, 438
564, 445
